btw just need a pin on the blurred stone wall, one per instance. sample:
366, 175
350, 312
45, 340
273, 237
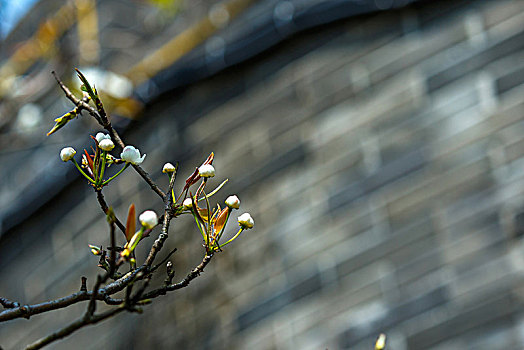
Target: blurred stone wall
382, 160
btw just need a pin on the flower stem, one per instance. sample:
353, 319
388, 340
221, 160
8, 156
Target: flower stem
102, 169
172, 190
215, 190
120, 172
208, 231
233, 238
96, 165
81, 171
199, 224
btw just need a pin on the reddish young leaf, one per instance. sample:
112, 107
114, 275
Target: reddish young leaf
191, 180
131, 222
89, 160
209, 159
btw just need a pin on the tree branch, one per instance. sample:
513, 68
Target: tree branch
144, 272
83, 295
30, 310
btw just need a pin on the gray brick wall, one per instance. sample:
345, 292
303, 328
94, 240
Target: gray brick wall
383, 167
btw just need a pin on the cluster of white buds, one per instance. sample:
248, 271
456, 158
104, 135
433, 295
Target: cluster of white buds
149, 219
94, 171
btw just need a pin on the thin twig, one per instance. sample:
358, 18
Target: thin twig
8, 304
92, 302
163, 261
184, 283
64, 332
168, 215
142, 289
105, 208
83, 286
159, 242
81, 104
149, 181
112, 256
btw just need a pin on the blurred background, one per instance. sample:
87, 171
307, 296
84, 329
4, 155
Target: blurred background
379, 146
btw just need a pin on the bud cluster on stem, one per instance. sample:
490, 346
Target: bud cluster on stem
94, 166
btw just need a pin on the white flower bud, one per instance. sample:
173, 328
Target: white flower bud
168, 168
188, 203
66, 154
246, 221
106, 145
132, 155
148, 219
101, 136
206, 170
233, 202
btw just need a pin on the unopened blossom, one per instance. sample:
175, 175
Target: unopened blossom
95, 250
67, 153
132, 155
246, 221
188, 203
233, 202
106, 145
168, 168
101, 136
148, 219
206, 170
381, 342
